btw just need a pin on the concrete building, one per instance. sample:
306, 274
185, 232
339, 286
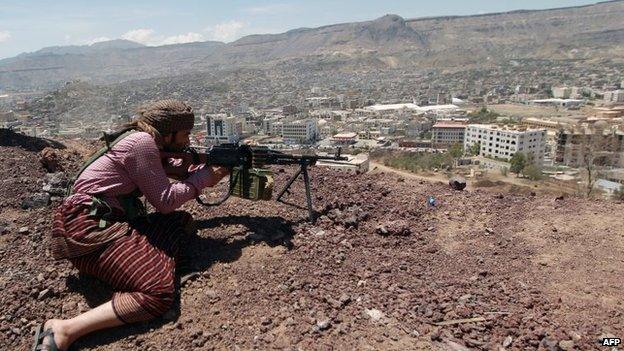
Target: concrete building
614, 96
606, 146
504, 142
322, 102
344, 138
391, 107
561, 92
222, 129
604, 112
447, 133
300, 132
290, 110
414, 143
417, 127
354, 164
272, 125
565, 103
542, 123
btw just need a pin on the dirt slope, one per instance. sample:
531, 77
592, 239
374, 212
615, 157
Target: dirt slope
377, 271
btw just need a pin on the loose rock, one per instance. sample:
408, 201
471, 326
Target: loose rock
44, 294
374, 314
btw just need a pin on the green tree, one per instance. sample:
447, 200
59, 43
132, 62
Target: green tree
518, 162
599, 151
532, 172
456, 150
475, 149
483, 115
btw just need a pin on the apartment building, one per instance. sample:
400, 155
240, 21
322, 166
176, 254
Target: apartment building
614, 96
300, 131
606, 146
272, 125
504, 142
446, 133
222, 129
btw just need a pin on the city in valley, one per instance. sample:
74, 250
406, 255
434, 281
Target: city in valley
566, 134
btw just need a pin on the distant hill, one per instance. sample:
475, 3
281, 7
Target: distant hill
111, 45
588, 33
105, 62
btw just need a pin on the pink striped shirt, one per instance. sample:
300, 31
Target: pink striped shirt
133, 163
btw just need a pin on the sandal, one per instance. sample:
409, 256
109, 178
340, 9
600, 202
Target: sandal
40, 335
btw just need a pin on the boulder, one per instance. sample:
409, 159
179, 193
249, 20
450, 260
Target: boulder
37, 200
457, 183
50, 160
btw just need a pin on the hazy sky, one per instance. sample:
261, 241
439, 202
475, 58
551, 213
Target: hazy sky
28, 25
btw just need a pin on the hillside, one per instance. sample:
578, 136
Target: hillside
52, 67
590, 34
380, 270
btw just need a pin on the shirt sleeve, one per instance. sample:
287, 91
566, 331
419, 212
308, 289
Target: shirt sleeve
146, 171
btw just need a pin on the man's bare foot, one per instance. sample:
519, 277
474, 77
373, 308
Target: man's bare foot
61, 338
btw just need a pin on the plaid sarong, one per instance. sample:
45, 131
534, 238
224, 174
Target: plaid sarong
137, 260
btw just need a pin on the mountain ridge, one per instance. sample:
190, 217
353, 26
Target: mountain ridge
421, 43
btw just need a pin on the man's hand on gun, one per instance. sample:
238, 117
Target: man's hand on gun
180, 169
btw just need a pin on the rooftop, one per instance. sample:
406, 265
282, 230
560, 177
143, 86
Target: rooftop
507, 128
437, 108
345, 135
450, 124
378, 107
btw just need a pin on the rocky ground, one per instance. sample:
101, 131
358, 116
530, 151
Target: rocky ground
379, 270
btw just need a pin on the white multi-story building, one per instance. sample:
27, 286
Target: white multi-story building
300, 131
504, 142
222, 129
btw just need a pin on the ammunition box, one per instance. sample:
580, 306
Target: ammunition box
251, 183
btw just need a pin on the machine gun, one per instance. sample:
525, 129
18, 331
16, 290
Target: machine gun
249, 178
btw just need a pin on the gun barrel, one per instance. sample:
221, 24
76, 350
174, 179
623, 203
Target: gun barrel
244, 155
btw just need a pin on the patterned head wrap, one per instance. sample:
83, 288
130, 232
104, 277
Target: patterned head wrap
167, 116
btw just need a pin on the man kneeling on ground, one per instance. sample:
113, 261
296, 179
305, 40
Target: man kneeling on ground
103, 230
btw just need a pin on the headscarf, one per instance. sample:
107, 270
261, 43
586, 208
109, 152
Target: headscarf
167, 116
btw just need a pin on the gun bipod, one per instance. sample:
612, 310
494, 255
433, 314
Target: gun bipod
306, 179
